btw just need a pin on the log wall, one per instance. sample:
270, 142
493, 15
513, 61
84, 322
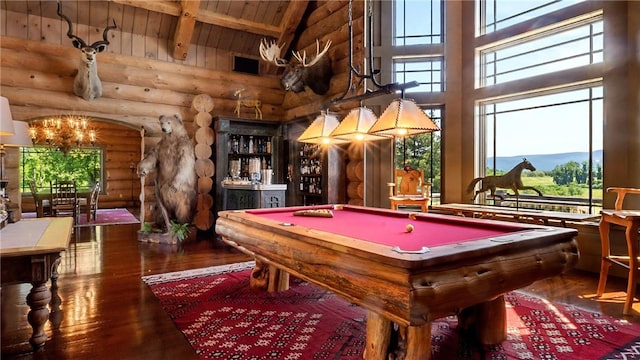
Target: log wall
141, 80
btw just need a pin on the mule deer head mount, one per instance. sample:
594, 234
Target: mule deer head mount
87, 84
315, 73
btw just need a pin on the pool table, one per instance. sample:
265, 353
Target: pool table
441, 265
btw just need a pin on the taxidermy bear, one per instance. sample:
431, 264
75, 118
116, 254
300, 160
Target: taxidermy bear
173, 159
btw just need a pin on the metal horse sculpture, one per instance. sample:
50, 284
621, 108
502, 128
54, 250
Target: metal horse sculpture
511, 180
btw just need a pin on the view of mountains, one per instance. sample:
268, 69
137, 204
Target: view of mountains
545, 162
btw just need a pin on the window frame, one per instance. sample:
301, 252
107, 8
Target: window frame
532, 86
25, 180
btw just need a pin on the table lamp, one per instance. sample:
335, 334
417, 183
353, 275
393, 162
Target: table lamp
6, 120
19, 138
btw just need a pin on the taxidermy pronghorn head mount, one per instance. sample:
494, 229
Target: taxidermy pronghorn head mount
87, 84
315, 73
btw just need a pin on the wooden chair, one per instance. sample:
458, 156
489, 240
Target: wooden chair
630, 220
93, 202
409, 189
64, 199
43, 206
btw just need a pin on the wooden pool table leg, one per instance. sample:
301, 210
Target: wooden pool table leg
417, 340
268, 277
488, 319
414, 342
378, 336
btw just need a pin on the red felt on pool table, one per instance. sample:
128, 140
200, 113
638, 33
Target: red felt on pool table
390, 228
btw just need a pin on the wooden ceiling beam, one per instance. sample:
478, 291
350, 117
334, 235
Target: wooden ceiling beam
213, 18
188, 12
291, 21
231, 22
184, 28
163, 7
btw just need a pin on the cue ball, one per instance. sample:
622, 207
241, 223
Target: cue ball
409, 228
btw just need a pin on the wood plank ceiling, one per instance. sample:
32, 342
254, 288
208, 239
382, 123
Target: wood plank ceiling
232, 25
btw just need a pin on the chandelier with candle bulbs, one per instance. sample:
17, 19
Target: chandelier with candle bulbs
64, 132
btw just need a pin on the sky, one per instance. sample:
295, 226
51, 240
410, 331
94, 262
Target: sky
563, 128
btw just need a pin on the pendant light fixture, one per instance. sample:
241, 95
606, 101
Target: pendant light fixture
355, 127
319, 131
403, 118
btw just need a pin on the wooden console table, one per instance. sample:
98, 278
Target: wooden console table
493, 212
30, 252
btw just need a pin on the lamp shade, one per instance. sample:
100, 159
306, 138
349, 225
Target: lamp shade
356, 126
21, 136
6, 120
320, 130
403, 118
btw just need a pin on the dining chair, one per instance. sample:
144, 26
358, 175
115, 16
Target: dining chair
64, 199
630, 221
92, 204
42, 202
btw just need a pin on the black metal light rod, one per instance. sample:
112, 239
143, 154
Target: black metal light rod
385, 89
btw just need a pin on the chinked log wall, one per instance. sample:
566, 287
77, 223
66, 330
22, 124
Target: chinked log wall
141, 81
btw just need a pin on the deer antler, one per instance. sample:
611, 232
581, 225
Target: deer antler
303, 59
271, 52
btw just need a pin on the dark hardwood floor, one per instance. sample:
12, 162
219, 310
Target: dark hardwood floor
107, 312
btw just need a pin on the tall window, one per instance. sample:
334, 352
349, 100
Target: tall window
418, 55
499, 14
45, 165
422, 152
559, 49
560, 134
428, 72
417, 22
558, 127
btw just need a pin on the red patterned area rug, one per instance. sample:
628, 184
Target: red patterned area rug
223, 318
103, 217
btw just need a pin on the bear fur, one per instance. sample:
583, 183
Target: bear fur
173, 159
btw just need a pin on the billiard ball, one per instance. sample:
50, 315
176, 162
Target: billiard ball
412, 216
409, 228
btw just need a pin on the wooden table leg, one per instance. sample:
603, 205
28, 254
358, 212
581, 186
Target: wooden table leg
39, 209
278, 280
487, 319
605, 263
411, 342
378, 337
418, 342
268, 277
631, 234
38, 299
